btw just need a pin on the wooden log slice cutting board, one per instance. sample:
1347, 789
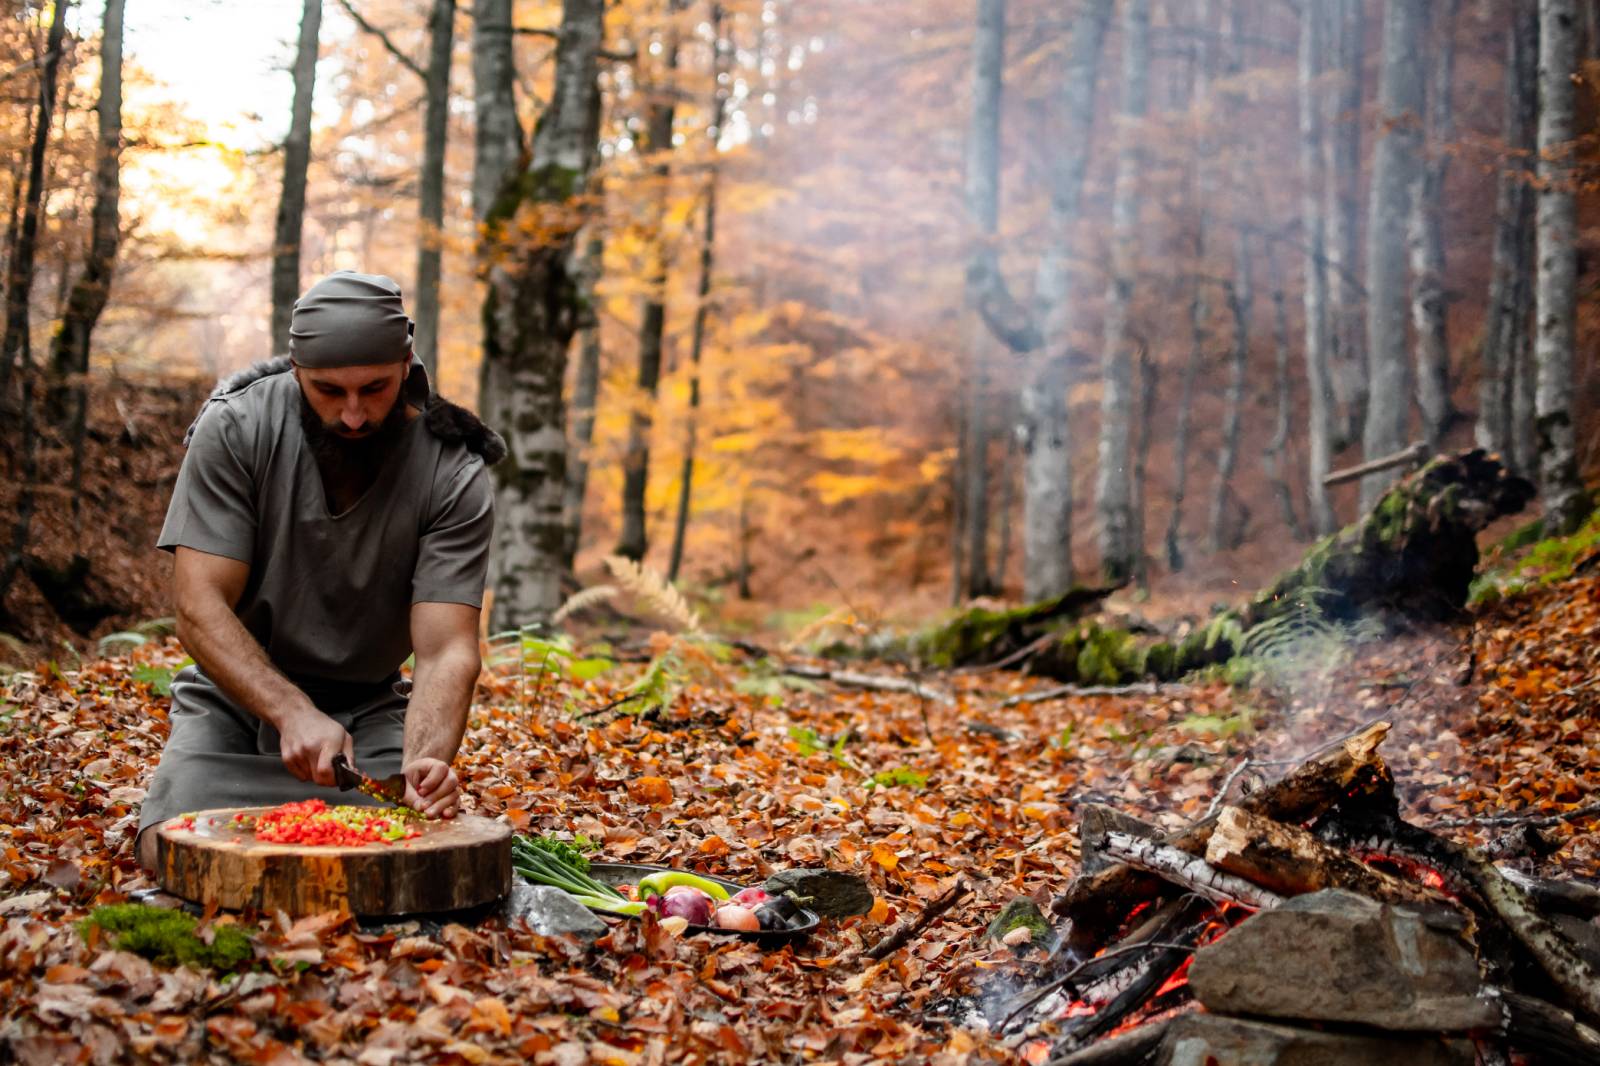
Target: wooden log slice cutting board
459, 862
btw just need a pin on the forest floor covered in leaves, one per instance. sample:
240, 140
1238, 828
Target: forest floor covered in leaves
745, 773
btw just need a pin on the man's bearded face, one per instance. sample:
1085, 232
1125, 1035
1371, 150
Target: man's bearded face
352, 415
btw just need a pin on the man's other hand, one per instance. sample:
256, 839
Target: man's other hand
308, 742
432, 788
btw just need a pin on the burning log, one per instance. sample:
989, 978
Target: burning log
1546, 1030
1496, 897
1098, 903
1188, 872
1291, 862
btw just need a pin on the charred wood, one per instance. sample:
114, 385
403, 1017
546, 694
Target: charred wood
1170, 957
1098, 903
1137, 1047
1290, 861
1498, 900
1188, 872
1543, 1029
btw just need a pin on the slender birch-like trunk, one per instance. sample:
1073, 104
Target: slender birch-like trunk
1241, 304
1199, 299
1275, 459
1241, 300
17, 344
497, 144
1565, 502
1506, 323
1114, 482
1319, 386
634, 539
430, 239
292, 201
708, 244
983, 207
1047, 568
1429, 310
530, 313
69, 349
585, 395
1346, 343
1399, 122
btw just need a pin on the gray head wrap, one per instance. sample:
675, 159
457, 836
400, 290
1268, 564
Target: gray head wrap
349, 319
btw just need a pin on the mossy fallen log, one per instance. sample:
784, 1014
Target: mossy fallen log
983, 634
1411, 558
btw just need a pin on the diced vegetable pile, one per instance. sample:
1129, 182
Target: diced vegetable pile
314, 822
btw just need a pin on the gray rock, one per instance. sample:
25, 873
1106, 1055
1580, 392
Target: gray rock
833, 894
1338, 957
1206, 1039
551, 912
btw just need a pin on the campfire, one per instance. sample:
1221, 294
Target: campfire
1308, 922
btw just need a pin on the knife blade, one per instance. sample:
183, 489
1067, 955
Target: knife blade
391, 789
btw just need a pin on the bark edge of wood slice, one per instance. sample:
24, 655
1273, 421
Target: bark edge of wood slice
457, 863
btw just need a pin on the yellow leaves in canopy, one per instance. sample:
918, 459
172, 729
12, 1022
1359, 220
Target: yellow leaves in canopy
934, 464
832, 488
868, 445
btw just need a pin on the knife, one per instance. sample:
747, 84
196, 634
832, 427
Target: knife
391, 789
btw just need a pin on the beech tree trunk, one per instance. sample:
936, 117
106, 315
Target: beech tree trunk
983, 208
1347, 359
1241, 299
708, 243
1275, 460
1319, 385
497, 146
1113, 486
69, 355
1394, 170
1506, 326
1047, 568
634, 539
436, 125
1199, 299
1565, 503
1428, 307
292, 200
530, 313
17, 345
585, 395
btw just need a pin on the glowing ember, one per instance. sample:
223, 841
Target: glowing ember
1179, 978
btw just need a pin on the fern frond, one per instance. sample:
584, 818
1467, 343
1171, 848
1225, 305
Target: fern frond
583, 599
653, 592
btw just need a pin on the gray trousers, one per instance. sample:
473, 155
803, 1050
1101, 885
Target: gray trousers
218, 755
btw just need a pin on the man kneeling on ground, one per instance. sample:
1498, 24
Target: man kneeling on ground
331, 518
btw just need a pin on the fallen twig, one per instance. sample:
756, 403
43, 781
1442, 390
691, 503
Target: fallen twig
1140, 688
1411, 455
872, 681
902, 933
1227, 783
1537, 821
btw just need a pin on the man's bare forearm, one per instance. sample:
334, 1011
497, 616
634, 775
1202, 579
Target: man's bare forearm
224, 649
441, 693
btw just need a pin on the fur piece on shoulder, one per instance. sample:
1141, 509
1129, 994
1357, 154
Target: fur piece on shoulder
454, 424
250, 375
450, 422
236, 381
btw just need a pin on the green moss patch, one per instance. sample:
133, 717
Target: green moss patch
1544, 562
167, 936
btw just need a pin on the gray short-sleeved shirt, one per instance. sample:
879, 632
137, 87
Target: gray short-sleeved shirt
329, 596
